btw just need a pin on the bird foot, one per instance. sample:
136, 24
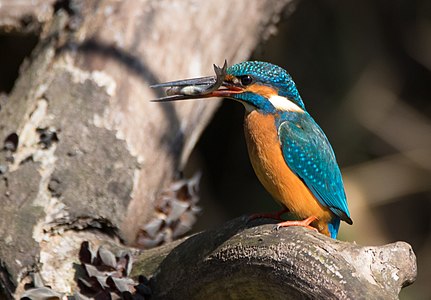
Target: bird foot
276, 215
304, 223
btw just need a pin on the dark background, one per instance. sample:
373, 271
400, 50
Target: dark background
363, 70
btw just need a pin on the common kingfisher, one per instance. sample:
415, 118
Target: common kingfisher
290, 153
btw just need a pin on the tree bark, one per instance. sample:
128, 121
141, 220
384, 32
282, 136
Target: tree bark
243, 261
26, 16
85, 155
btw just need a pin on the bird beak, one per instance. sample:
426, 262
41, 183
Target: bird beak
203, 87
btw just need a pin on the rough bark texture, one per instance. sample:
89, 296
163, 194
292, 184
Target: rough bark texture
85, 155
24, 16
243, 261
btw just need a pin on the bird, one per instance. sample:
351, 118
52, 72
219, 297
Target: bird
289, 152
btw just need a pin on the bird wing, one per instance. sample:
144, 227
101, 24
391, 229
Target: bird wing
308, 153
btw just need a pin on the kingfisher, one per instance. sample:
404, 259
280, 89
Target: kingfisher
289, 152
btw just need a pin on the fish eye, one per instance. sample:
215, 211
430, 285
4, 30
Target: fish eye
246, 80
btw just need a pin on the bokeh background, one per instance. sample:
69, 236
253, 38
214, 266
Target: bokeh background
363, 69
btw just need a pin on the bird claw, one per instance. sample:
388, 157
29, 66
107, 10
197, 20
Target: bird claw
304, 223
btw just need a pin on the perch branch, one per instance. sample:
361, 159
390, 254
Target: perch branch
257, 262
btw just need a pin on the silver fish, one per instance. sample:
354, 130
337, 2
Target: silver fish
193, 88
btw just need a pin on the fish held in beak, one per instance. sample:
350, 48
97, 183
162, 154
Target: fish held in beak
203, 87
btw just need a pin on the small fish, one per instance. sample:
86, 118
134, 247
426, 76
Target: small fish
193, 88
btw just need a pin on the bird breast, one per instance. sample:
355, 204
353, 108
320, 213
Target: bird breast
270, 167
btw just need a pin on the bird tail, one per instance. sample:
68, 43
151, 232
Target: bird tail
333, 227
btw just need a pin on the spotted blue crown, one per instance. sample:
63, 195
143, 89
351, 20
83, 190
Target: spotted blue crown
271, 75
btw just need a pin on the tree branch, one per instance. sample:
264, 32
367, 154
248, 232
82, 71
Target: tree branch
84, 152
258, 262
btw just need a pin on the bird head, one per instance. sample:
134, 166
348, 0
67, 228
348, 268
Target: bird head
258, 85
263, 86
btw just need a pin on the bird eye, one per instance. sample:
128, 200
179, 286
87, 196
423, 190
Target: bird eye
246, 80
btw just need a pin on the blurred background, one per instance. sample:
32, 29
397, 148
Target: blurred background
364, 72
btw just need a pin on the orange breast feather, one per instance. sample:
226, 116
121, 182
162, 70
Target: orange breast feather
271, 169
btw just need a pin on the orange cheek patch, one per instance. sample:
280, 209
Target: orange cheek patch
228, 78
262, 90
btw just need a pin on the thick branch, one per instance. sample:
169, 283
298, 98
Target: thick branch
262, 263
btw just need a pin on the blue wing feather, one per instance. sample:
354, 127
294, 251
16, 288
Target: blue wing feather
309, 155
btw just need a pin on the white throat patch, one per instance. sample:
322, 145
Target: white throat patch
282, 103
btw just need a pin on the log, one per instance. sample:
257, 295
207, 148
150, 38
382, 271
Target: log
85, 155
244, 260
